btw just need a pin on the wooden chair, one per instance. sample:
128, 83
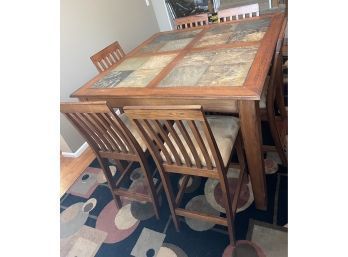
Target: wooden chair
237, 13
110, 55
273, 94
191, 144
192, 21
112, 137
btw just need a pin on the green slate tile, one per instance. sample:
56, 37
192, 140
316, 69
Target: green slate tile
112, 79
216, 39
246, 36
221, 29
256, 25
151, 47
235, 56
225, 75
132, 63
158, 61
140, 78
183, 76
175, 44
176, 35
197, 58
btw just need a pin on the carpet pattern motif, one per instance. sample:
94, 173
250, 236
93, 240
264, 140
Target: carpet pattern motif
91, 225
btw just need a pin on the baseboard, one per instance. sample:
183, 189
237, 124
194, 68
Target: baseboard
78, 152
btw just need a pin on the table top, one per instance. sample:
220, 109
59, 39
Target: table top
228, 60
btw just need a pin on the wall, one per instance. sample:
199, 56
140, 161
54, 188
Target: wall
87, 26
165, 23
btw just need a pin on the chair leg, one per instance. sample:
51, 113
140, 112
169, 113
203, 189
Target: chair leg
109, 179
170, 197
276, 138
228, 207
151, 187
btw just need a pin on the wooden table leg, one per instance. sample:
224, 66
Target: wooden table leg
249, 114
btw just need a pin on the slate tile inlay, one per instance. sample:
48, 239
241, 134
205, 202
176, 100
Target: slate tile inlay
199, 58
216, 39
132, 63
135, 72
235, 55
169, 41
225, 67
112, 79
140, 78
175, 44
225, 75
235, 32
158, 61
183, 76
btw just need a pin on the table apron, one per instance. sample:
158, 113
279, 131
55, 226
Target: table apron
211, 105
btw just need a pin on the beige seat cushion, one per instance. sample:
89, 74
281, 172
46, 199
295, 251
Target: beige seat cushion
133, 130
224, 130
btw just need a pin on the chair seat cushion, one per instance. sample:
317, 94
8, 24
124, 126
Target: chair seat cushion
224, 129
133, 131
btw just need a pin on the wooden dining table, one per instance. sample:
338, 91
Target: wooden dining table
222, 67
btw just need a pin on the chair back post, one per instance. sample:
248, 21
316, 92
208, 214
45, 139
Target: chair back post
235, 13
192, 21
108, 56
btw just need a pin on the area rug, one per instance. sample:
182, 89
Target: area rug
272, 239
91, 225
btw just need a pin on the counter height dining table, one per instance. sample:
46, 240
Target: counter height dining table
222, 67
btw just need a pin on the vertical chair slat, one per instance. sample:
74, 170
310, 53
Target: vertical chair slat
102, 130
201, 144
111, 131
123, 142
147, 139
102, 64
212, 145
92, 131
108, 130
96, 130
114, 56
82, 126
178, 143
189, 143
166, 139
109, 59
158, 141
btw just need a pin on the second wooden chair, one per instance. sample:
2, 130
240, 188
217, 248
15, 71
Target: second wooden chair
112, 137
193, 145
192, 21
237, 13
110, 55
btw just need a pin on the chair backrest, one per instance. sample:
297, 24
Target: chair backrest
192, 21
103, 129
108, 56
237, 13
184, 142
276, 74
